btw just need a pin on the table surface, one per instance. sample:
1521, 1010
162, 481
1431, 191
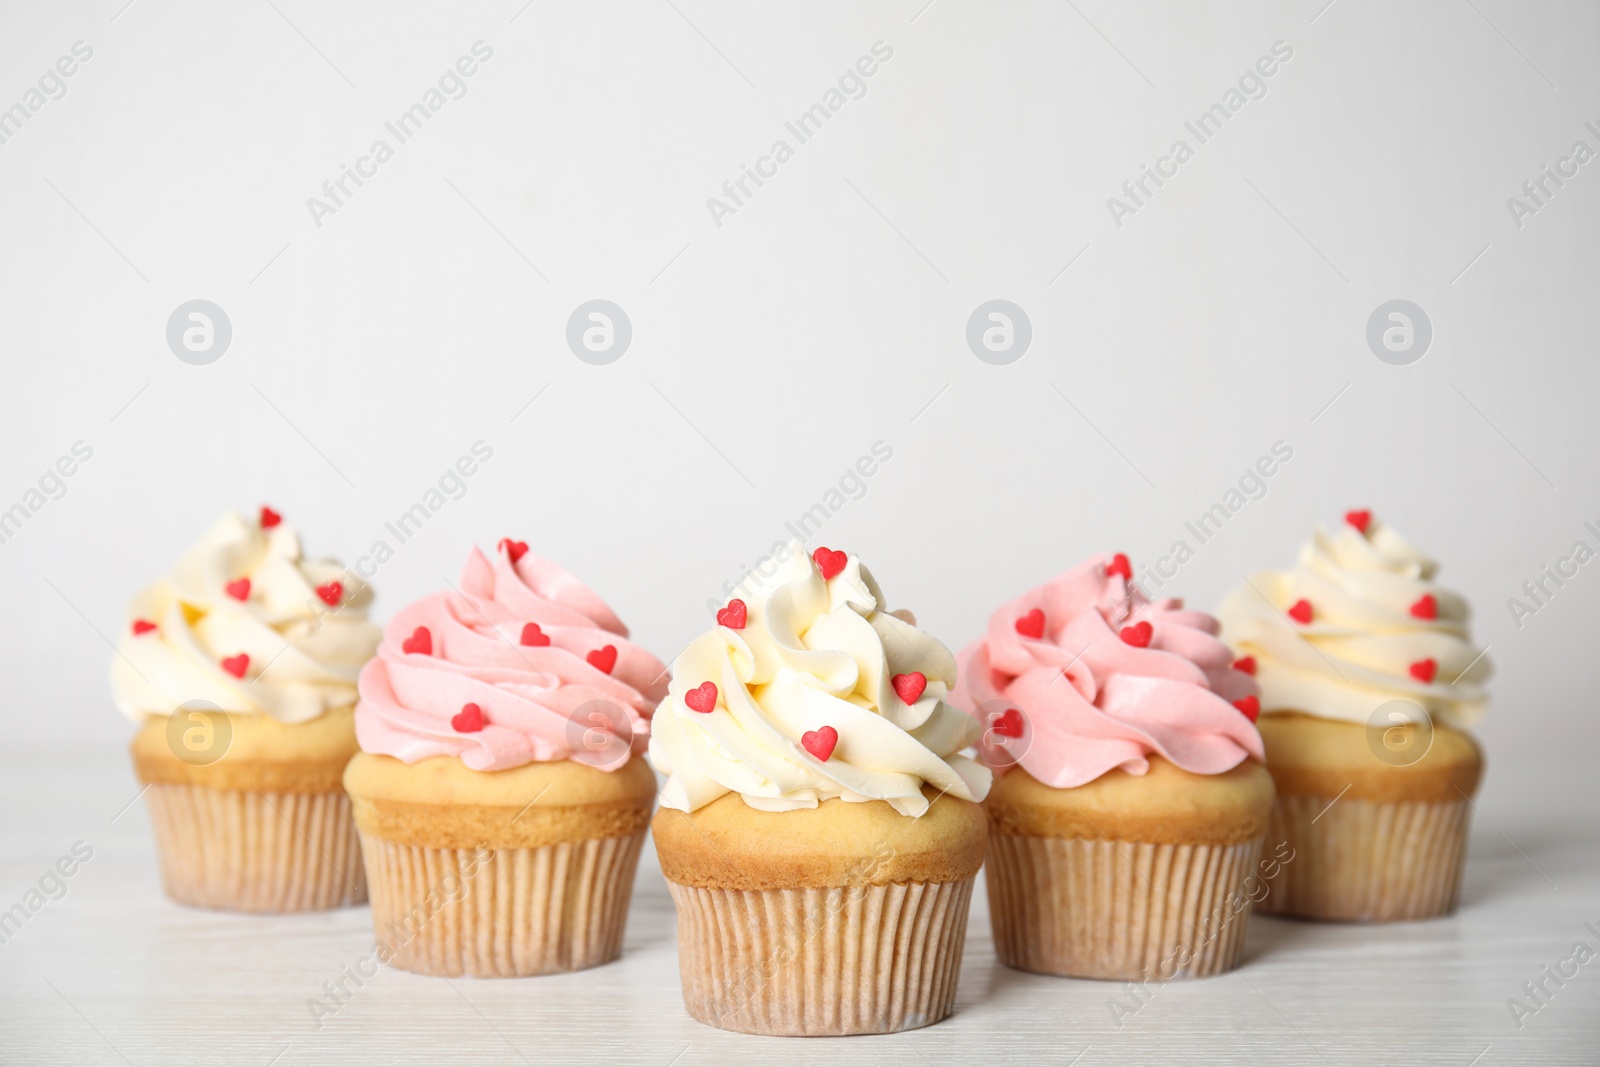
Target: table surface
110, 972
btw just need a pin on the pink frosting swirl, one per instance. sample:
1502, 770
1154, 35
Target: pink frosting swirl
550, 698
1087, 700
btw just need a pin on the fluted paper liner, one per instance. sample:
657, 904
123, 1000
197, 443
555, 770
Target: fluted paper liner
246, 850
1118, 909
824, 961
501, 913
1368, 861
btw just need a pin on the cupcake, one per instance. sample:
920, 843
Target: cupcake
819, 827
240, 668
500, 791
1368, 679
1130, 801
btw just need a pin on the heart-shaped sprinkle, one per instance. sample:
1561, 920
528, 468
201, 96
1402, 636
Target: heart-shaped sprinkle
331, 593
237, 665
534, 637
1246, 664
1424, 669
420, 642
239, 588
734, 616
269, 518
910, 686
703, 699
1119, 565
1008, 723
515, 549
1359, 519
829, 562
820, 742
142, 626
469, 720
1250, 706
603, 659
1426, 607
1138, 635
1031, 624
1300, 611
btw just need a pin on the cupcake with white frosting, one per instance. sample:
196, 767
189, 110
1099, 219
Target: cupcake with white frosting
240, 668
1369, 679
819, 828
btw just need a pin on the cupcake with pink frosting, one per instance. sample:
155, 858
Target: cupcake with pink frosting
1130, 801
500, 794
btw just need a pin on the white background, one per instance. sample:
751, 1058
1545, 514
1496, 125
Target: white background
770, 353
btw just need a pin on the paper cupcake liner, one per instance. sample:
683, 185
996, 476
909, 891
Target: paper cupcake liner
822, 962
245, 850
1118, 909
501, 913
1368, 861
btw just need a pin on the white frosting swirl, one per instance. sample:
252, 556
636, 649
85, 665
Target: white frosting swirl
1370, 638
814, 653
304, 653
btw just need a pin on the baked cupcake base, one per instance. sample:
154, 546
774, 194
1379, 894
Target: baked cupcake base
807, 962
502, 913
848, 918
1119, 910
1366, 861
263, 827
1129, 877
1376, 838
255, 851
499, 874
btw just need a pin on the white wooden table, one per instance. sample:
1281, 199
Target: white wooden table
112, 973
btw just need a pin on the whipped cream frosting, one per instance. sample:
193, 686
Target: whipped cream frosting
1356, 623
1085, 674
810, 690
520, 663
245, 623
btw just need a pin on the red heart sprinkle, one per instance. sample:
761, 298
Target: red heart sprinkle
703, 699
1119, 565
1250, 706
239, 588
514, 549
910, 686
1423, 670
1031, 624
1138, 635
829, 562
734, 616
1246, 664
533, 636
420, 642
1300, 611
1008, 723
820, 742
469, 721
1426, 607
237, 665
331, 593
603, 659
269, 518
1359, 519
142, 626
